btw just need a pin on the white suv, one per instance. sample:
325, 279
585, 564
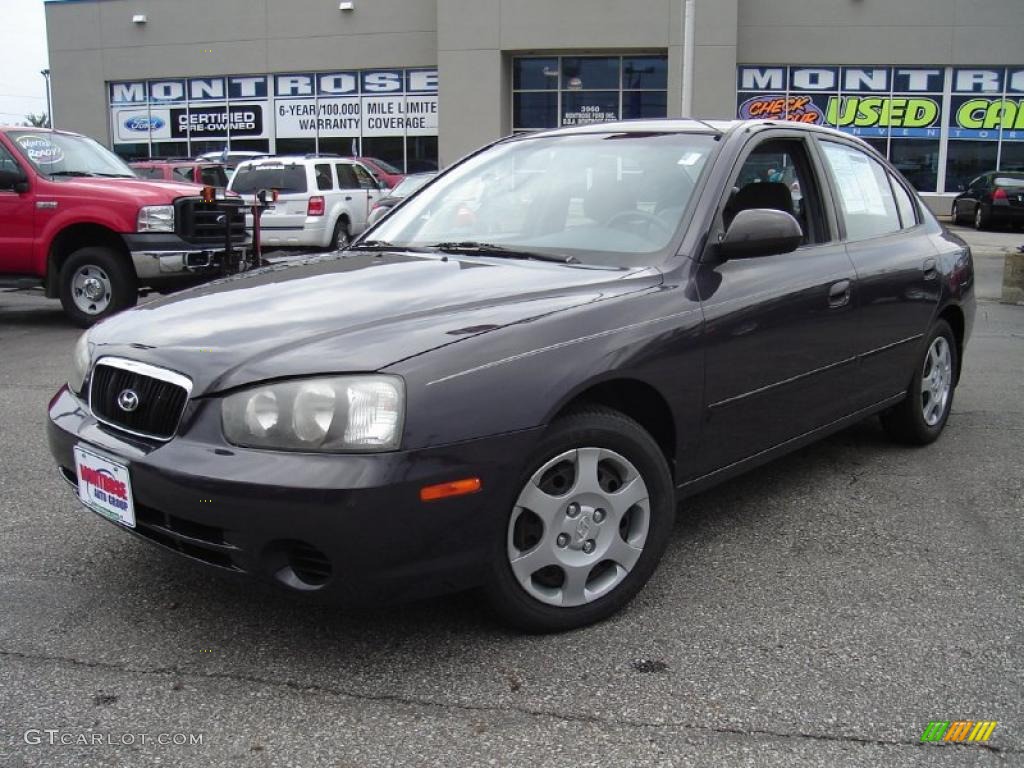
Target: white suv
322, 201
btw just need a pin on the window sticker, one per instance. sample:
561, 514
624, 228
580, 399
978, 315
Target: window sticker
41, 150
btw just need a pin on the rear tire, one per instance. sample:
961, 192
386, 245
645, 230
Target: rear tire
95, 283
922, 415
341, 237
582, 552
955, 214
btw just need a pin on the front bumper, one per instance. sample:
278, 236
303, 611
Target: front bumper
271, 515
159, 256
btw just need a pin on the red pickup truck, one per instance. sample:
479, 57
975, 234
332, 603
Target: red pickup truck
77, 221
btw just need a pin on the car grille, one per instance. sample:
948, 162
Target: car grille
160, 397
203, 223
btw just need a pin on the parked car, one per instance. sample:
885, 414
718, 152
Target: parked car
995, 198
322, 200
382, 170
231, 160
77, 221
402, 190
511, 380
190, 171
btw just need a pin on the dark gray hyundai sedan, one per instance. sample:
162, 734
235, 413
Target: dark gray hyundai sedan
511, 380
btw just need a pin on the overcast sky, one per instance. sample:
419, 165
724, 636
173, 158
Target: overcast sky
22, 55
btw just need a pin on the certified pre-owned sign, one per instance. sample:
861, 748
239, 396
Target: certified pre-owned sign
213, 122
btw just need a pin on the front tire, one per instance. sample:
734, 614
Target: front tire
981, 221
588, 527
95, 282
922, 415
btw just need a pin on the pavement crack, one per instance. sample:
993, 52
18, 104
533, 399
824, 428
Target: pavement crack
521, 709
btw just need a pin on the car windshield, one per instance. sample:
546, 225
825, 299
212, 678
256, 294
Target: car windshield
64, 154
614, 199
288, 179
410, 184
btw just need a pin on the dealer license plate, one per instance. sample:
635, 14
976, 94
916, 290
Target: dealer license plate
104, 486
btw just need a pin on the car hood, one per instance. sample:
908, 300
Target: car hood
134, 191
353, 312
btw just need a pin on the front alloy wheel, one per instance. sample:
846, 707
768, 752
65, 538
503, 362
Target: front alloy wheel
579, 526
591, 518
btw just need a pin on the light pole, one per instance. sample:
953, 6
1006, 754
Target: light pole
49, 107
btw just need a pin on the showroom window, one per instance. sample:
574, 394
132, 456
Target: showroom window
553, 91
940, 126
389, 114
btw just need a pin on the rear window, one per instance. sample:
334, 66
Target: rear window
1016, 180
289, 179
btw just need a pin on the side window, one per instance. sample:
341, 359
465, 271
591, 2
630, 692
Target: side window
346, 176
907, 209
865, 197
7, 163
149, 173
323, 176
366, 181
184, 173
778, 174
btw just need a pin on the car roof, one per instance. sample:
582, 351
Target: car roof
684, 125
5, 128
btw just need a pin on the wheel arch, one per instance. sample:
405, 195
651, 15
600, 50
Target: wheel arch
635, 398
71, 239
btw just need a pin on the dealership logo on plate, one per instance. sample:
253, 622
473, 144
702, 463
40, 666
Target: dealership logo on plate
143, 123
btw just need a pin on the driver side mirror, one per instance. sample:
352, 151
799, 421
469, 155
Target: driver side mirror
760, 232
14, 180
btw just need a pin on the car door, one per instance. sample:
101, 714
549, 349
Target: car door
780, 330
896, 266
17, 222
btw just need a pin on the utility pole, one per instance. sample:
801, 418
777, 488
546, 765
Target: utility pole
49, 106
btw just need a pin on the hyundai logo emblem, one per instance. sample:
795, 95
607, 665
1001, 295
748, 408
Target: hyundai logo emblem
128, 400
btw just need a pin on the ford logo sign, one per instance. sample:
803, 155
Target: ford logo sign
143, 124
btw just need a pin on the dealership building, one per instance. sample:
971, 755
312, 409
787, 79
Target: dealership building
936, 85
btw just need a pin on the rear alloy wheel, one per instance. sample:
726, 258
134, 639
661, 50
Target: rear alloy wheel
588, 526
341, 237
95, 283
955, 215
920, 418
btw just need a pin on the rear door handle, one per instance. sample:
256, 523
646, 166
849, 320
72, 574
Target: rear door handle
839, 294
930, 269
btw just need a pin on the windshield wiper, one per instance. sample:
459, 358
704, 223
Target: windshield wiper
384, 245
76, 174
493, 249
115, 175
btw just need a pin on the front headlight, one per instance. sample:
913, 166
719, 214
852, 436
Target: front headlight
331, 414
79, 363
156, 218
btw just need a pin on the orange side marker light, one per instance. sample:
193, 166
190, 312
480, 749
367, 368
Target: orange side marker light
454, 488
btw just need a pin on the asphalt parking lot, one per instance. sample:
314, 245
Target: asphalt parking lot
819, 611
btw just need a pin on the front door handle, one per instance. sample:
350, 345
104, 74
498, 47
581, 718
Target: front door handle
930, 269
839, 294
